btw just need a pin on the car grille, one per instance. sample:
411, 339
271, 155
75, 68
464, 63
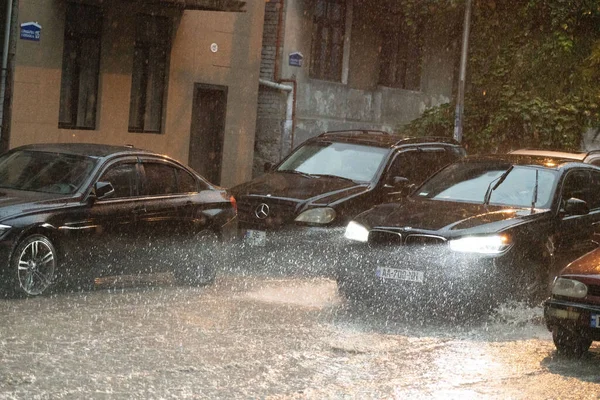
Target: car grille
385, 237
424, 240
279, 212
379, 237
594, 290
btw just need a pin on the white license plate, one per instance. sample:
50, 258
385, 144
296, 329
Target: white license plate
595, 320
400, 274
255, 238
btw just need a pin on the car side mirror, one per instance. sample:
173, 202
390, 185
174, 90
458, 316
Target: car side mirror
268, 166
102, 190
396, 182
575, 206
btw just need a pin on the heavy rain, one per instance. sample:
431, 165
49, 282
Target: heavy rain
299, 199
273, 327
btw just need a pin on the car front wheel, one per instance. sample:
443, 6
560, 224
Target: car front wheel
570, 343
33, 266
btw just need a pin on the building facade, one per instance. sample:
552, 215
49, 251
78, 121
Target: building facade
345, 64
179, 77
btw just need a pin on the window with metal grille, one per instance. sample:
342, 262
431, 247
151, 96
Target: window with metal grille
400, 58
327, 51
80, 67
148, 78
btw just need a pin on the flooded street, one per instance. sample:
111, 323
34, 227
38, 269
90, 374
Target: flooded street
271, 337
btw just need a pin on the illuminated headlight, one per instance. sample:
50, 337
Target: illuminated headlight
496, 244
569, 288
355, 231
317, 216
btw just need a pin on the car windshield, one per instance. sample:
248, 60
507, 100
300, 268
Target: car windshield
350, 161
499, 184
47, 172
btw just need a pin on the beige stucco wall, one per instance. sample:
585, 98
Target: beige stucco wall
236, 65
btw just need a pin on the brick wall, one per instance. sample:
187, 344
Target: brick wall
271, 102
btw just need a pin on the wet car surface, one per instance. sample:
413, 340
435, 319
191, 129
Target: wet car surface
483, 230
73, 212
572, 314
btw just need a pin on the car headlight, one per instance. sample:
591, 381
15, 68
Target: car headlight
569, 288
355, 231
322, 215
495, 244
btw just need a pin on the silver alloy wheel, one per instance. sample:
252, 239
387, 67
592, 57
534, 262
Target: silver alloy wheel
36, 265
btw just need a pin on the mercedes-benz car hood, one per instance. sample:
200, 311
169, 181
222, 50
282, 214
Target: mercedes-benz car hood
321, 190
445, 218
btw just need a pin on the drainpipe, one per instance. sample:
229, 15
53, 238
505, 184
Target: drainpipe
288, 125
3, 74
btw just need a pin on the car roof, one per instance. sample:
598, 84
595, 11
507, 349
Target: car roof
381, 138
84, 149
546, 161
573, 155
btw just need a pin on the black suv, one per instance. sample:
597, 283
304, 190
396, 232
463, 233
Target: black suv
330, 178
482, 230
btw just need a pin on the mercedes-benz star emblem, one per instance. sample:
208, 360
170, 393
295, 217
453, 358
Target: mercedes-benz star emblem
262, 211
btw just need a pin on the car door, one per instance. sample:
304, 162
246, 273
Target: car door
104, 229
579, 233
170, 216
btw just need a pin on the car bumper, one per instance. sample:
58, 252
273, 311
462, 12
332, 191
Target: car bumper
293, 249
572, 316
448, 278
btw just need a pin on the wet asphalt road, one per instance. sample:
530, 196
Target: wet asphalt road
271, 337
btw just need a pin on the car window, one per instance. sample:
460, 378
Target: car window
159, 179
123, 179
417, 165
346, 160
469, 182
187, 183
583, 185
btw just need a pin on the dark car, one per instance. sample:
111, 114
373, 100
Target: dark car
572, 314
331, 178
73, 212
482, 230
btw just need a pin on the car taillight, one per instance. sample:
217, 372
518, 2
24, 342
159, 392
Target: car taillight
233, 203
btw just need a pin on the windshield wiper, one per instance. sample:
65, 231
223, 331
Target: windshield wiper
333, 176
499, 180
293, 171
535, 191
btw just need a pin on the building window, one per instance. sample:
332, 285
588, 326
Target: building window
327, 52
150, 55
80, 67
400, 59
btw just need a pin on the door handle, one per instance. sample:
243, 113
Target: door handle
139, 210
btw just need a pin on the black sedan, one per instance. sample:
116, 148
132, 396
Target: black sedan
482, 230
72, 212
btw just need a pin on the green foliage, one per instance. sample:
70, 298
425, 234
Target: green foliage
533, 76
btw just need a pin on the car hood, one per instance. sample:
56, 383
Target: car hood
447, 218
587, 265
14, 202
321, 190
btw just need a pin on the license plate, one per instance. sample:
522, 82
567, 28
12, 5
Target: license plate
255, 238
400, 274
595, 320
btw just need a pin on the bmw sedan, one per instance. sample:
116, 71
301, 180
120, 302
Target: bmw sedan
482, 230
72, 212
